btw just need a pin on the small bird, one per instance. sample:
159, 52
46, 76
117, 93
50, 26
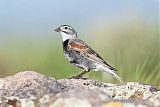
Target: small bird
78, 53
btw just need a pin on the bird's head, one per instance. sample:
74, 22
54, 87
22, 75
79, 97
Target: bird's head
67, 32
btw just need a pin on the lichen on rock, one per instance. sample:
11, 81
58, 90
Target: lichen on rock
32, 89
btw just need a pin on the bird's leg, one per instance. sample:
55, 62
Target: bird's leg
81, 74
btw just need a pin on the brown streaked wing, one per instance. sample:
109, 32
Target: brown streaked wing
82, 47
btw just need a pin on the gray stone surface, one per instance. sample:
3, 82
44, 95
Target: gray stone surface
25, 85
31, 89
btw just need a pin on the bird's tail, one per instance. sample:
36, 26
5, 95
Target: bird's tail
112, 72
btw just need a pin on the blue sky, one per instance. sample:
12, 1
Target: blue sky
40, 16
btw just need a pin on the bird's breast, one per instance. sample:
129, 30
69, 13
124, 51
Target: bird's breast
65, 44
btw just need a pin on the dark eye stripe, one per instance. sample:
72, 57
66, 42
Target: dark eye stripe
65, 32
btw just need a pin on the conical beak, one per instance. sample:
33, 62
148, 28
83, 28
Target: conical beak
58, 29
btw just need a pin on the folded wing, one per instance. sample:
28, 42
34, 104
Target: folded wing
81, 47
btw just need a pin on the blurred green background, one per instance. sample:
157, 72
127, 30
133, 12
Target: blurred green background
124, 32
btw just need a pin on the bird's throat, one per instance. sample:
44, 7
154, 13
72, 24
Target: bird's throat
65, 36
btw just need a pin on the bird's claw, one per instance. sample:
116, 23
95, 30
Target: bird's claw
77, 77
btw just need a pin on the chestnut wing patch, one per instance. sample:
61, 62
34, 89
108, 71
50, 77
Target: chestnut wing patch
87, 52
78, 47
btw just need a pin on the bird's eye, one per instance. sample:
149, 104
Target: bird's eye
65, 28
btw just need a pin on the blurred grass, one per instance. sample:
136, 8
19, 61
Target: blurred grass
132, 47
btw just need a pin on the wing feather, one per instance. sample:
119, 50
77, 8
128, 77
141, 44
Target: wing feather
86, 51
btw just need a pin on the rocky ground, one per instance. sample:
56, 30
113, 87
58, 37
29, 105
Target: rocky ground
31, 89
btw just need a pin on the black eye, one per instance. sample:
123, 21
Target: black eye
65, 28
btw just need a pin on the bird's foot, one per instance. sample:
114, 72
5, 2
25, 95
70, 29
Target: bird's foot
78, 77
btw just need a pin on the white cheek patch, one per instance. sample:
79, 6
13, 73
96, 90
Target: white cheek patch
65, 36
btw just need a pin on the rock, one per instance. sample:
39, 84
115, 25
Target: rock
75, 98
25, 84
32, 89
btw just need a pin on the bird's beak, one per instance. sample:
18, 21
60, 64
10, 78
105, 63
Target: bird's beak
58, 29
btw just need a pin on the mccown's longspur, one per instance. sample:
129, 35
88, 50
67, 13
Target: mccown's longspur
82, 55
